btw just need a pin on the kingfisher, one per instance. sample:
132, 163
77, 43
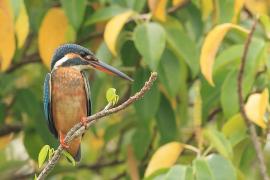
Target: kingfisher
66, 96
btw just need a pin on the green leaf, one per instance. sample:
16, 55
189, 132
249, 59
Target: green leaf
136, 5
219, 142
141, 140
69, 157
2, 112
16, 7
183, 47
51, 152
74, 10
169, 72
265, 21
111, 96
114, 129
229, 96
150, 99
192, 18
235, 129
177, 172
225, 10
166, 122
105, 14
158, 174
129, 54
221, 168
35, 177
103, 52
33, 143
149, 39
36, 14
43, 155
202, 169
229, 58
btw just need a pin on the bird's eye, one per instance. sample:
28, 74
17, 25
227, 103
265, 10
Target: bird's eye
88, 57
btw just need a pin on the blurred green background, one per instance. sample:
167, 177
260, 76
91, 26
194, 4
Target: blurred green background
206, 134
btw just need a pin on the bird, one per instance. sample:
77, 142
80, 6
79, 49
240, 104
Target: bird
66, 93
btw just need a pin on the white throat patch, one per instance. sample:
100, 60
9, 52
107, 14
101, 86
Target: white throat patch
60, 62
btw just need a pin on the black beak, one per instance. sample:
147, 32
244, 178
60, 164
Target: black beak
108, 69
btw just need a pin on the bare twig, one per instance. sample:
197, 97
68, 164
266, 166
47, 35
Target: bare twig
119, 176
248, 122
32, 58
7, 129
79, 129
179, 6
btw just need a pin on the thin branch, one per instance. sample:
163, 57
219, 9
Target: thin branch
90, 36
213, 114
79, 129
7, 129
248, 122
177, 7
32, 58
119, 176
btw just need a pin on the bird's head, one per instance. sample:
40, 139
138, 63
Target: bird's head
81, 58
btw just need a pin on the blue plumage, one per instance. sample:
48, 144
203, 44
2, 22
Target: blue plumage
47, 104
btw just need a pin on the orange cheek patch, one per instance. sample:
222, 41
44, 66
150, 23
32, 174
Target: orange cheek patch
72, 55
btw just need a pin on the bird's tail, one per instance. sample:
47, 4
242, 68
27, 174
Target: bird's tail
75, 149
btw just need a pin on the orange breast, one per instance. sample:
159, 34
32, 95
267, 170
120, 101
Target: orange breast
69, 103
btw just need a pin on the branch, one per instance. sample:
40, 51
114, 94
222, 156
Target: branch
248, 122
79, 129
7, 129
177, 7
32, 58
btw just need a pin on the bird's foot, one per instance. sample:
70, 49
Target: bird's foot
62, 142
84, 122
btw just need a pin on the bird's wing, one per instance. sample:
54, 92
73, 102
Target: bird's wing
47, 104
88, 92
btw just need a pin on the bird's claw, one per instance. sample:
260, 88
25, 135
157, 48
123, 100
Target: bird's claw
62, 142
84, 122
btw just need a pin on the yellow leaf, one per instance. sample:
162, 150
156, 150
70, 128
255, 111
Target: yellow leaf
164, 157
5, 140
7, 35
22, 25
233, 125
132, 164
257, 7
238, 5
158, 9
52, 33
152, 4
178, 2
207, 7
113, 28
256, 107
210, 47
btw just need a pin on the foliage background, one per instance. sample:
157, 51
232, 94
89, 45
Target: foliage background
207, 136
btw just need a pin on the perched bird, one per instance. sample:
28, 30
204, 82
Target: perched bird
66, 96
